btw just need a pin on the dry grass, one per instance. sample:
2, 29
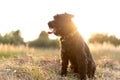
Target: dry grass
24, 63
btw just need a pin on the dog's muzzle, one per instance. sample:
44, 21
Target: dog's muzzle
51, 25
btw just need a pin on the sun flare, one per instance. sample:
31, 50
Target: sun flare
82, 30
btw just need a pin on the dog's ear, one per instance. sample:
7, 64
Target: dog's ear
64, 16
68, 15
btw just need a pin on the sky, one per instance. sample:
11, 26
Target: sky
32, 16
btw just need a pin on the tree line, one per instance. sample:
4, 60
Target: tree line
104, 38
43, 40
15, 38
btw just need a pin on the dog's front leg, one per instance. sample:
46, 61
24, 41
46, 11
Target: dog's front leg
82, 66
64, 64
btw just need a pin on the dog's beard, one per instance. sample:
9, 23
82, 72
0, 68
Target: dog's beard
56, 32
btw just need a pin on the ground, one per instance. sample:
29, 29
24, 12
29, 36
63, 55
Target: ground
24, 63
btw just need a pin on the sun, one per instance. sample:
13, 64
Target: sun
82, 30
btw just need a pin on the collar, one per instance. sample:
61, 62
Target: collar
68, 36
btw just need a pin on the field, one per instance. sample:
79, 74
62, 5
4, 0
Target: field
24, 63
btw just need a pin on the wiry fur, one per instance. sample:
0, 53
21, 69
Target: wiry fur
73, 47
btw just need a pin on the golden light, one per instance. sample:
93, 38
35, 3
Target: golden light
82, 30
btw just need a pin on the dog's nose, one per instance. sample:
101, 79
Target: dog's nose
49, 23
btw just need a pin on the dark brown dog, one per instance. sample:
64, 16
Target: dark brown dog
73, 47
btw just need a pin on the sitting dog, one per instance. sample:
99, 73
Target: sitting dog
73, 47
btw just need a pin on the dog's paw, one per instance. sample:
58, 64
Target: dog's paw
63, 73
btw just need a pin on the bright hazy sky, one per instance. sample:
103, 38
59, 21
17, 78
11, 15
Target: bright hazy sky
32, 16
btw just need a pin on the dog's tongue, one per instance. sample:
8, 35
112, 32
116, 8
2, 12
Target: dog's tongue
50, 32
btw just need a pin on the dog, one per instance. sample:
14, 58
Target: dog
73, 48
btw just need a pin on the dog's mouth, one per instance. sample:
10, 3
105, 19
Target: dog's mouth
52, 31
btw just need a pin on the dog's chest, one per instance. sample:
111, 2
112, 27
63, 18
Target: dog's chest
68, 46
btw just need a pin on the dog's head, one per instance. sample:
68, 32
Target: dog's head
62, 24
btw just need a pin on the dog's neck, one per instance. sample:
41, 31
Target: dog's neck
63, 38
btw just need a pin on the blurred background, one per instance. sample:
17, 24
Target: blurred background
30, 17
27, 52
